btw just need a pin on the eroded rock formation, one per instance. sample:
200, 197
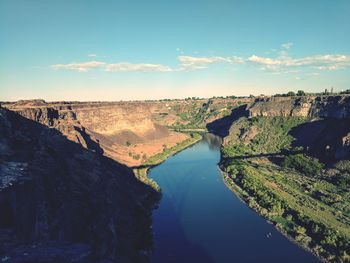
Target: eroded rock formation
124, 131
320, 106
62, 202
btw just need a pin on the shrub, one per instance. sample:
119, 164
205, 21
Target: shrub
304, 239
136, 157
301, 93
299, 230
304, 164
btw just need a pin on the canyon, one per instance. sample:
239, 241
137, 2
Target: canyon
65, 162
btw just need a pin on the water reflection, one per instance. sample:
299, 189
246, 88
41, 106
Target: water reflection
213, 141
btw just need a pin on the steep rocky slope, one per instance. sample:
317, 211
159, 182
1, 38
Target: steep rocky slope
324, 132
132, 132
289, 159
129, 132
62, 197
309, 106
61, 202
124, 131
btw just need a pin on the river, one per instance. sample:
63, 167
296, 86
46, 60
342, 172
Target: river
200, 220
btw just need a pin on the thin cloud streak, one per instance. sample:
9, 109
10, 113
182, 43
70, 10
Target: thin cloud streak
322, 62
194, 63
143, 67
287, 45
82, 67
281, 63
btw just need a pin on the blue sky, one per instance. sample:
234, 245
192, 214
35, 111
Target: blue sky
120, 50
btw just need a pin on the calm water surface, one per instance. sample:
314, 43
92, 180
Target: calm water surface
200, 220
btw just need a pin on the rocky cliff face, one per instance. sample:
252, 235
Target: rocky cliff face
325, 132
129, 132
61, 202
110, 128
109, 119
323, 106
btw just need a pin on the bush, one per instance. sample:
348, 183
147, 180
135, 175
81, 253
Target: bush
301, 93
136, 157
304, 239
299, 230
343, 166
304, 164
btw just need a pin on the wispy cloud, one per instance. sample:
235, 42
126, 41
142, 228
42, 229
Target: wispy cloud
143, 67
322, 62
82, 67
287, 45
193, 63
282, 62
186, 63
92, 55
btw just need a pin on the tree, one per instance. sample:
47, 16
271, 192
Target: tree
304, 239
345, 91
299, 230
291, 93
330, 238
301, 93
278, 208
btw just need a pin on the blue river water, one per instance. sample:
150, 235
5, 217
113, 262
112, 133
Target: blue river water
200, 220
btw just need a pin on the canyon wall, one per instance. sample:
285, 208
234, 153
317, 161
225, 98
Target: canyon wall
63, 188
124, 131
311, 106
131, 132
61, 202
325, 131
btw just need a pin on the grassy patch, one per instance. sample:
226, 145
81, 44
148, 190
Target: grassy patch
167, 152
310, 204
304, 164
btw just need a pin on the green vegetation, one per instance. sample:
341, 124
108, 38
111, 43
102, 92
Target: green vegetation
141, 174
288, 94
345, 91
136, 157
167, 152
301, 93
303, 163
272, 135
304, 200
193, 118
196, 113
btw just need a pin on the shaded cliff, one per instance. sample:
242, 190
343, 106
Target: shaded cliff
61, 202
308, 106
326, 131
289, 160
110, 127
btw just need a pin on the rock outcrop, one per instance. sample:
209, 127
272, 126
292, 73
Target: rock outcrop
324, 134
62, 202
107, 127
321, 106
